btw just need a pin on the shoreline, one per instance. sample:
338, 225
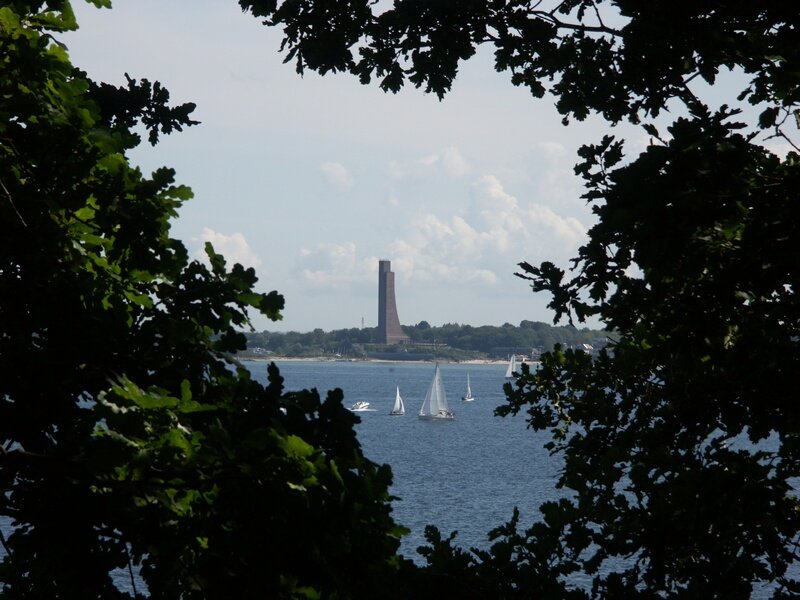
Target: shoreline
475, 361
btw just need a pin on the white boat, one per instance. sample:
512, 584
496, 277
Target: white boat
398, 408
512, 366
360, 406
435, 405
468, 397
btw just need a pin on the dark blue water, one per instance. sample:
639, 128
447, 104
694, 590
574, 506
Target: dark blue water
464, 475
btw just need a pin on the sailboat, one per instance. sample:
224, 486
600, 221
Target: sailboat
398, 408
435, 404
512, 366
468, 397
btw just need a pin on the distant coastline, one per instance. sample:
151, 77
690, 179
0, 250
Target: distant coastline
449, 343
475, 361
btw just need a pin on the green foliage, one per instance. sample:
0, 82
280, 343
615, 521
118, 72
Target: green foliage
129, 439
681, 445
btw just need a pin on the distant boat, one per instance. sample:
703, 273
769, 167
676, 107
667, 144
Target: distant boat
512, 366
398, 408
360, 406
435, 404
468, 397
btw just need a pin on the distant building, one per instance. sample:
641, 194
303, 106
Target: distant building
389, 330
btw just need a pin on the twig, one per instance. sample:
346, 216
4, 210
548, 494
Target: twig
11, 202
3, 542
130, 571
779, 133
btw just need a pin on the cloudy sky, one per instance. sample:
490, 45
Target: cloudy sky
312, 180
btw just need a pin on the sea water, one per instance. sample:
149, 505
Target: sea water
464, 475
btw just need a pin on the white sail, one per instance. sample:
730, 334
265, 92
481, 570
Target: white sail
398, 408
435, 404
468, 397
512, 366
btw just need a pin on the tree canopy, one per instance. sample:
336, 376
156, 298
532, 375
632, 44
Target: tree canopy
616, 57
681, 444
130, 440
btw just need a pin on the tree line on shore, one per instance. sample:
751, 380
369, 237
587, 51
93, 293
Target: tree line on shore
451, 340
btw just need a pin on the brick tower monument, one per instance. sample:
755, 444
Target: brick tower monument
389, 330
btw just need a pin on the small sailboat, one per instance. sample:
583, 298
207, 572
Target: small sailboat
468, 397
398, 408
435, 405
512, 366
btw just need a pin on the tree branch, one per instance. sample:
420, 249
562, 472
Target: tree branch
130, 571
548, 16
11, 202
4, 543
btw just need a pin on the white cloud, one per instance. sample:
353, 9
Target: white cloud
532, 228
490, 189
337, 174
441, 253
557, 186
448, 161
469, 249
336, 266
500, 212
430, 160
552, 149
568, 230
233, 247
454, 163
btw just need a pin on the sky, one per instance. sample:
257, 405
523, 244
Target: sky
311, 180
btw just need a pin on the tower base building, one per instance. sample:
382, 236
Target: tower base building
389, 330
